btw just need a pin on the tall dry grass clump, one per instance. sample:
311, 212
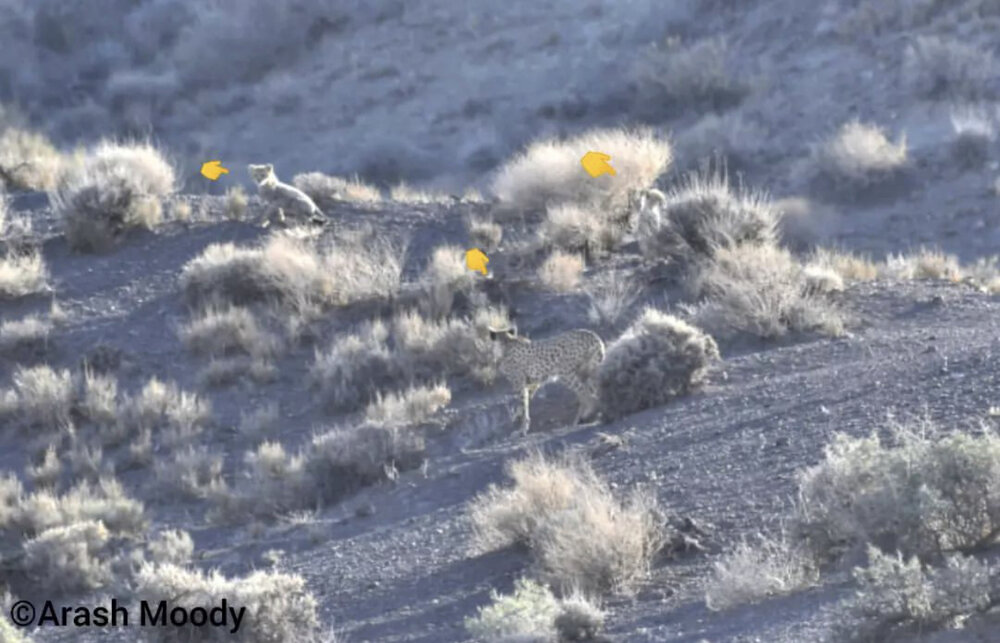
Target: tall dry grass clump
582, 536
28, 161
658, 358
117, 188
548, 172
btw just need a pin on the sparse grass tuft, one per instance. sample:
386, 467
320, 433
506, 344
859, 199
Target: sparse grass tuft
849, 266
580, 229
404, 193
859, 156
561, 271
925, 263
119, 187
548, 172
236, 203
22, 275
30, 333
658, 358
580, 534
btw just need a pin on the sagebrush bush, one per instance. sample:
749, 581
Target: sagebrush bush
226, 330
279, 606
118, 187
611, 296
923, 493
355, 367
44, 397
762, 291
28, 333
484, 234
900, 596
759, 569
859, 155
69, 558
581, 535
450, 347
704, 214
561, 271
548, 172
297, 275
446, 278
412, 407
659, 358
678, 75
947, 68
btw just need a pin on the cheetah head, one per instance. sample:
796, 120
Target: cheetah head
260, 172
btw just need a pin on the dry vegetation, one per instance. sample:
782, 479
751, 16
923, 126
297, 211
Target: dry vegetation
548, 172
28, 161
925, 494
657, 359
561, 272
679, 75
322, 187
948, 69
118, 187
860, 155
580, 534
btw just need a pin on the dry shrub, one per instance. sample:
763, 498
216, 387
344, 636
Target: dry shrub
975, 133
43, 397
447, 279
118, 187
191, 472
848, 265
658, 358
450, 347
533, 613
297, 275
902, 599
28, 161
946, 68
859, 156
759, 569
580, 228
561, 271
22, 275
925, 263
704, 214
279, 607
484, 234
30, 333
580, 534
412, 407
760, 290
611, 296
680, 75
923, 492
355, 366
236, 203
321, 187
227, 330
548, 172
69, 558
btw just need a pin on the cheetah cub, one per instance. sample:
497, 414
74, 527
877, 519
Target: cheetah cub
282, 198
571, 358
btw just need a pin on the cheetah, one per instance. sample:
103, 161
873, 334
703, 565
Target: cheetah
283, 198
572, 358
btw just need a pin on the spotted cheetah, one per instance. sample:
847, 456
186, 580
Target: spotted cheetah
571, 358
283, 198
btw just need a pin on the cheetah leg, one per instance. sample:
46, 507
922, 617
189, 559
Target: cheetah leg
586, 396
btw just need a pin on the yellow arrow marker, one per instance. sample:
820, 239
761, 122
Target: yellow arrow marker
476, 259
212, 170
596, 164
